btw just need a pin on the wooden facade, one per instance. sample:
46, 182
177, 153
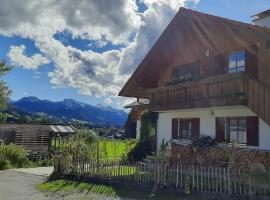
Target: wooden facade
199, 44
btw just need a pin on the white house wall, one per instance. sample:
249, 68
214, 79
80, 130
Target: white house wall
263, 22
208, 123
138, 129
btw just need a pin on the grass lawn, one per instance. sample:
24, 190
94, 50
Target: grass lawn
109, 191
115, 148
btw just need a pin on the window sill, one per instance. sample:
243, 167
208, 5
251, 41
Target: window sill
183, 142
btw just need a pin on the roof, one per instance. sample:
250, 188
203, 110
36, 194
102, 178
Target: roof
62, 129
178, 41
261, 15
140, 102
45, 127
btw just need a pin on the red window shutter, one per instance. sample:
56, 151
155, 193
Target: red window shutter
195, 127
253, 131
220, 129
174, 128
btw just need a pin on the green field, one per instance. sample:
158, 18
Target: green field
115, 149
109, 149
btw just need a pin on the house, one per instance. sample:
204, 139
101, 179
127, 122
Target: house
208, 75
39, 140
137, 107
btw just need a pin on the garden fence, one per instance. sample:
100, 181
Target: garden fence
186, 178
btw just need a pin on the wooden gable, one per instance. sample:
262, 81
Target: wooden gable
185, 40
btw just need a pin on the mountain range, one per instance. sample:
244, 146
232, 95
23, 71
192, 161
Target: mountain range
70, 110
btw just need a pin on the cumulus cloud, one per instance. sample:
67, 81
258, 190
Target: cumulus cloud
17, 56
104, 21
108, 101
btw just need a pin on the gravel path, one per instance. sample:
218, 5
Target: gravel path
20, 184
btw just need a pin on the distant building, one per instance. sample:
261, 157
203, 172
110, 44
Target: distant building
262, 19
39, 140
137, 107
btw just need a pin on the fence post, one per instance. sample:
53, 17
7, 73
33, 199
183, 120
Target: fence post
229, 181
177, 177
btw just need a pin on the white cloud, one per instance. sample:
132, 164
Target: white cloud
108, 101
105, 21
17, 56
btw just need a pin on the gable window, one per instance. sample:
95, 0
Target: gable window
237, 62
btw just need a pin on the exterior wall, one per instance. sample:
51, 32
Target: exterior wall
263, 22
207, 122
138, 129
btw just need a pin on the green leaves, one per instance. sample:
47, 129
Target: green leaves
5, 92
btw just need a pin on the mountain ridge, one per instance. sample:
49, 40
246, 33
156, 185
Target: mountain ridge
70, 110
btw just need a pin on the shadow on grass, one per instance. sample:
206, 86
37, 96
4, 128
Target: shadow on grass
57, 184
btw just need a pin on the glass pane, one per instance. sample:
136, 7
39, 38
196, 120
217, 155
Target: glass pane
232, 60
242, 137
241, 59
241, 69
233, 136
232, 70
233, 124
242, 125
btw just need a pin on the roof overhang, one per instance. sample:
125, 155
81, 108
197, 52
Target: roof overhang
184, 40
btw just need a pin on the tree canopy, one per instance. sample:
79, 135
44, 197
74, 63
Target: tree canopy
4, 89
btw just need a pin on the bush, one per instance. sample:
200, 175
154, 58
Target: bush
13, 156
146, 144
203, 142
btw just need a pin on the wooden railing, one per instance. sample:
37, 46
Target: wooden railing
224, 90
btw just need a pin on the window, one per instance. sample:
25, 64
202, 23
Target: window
237, 130
185, 129
237, 62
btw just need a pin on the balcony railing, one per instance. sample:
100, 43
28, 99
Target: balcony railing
223, 90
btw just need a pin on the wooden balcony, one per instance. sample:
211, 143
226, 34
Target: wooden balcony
223, 90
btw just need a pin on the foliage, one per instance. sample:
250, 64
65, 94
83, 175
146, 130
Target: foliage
87, 135
259, 175
4, 90
203, 142
146, 145
13, 156
130, 128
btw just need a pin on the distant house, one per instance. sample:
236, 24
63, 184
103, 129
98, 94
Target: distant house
39, 140
208, 75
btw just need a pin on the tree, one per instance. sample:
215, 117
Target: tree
146, 144
5, 92
130, 127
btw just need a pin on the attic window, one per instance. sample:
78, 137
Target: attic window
237, 62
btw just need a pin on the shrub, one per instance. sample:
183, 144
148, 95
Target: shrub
203, 142
5, 164
13, 156
146, 144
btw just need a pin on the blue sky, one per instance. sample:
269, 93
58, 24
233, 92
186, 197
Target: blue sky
98, 45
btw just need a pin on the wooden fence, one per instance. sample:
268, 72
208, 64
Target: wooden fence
179, 177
